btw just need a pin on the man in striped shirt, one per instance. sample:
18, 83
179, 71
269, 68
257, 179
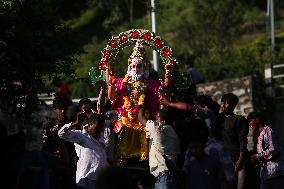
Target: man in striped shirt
269, 154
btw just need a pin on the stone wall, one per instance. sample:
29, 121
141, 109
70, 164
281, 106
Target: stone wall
242, 87
250, 91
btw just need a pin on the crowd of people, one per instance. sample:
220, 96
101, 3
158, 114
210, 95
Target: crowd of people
198, 147
188, 141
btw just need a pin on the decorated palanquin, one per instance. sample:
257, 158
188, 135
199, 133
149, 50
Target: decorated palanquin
136, 90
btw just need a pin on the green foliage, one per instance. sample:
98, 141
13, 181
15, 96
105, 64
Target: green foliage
43, 38
217, 22
34, 43
238, 61
210, 33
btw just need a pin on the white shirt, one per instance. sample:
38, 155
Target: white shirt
163, 141
92, 155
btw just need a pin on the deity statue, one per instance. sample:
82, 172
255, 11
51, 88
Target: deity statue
128, 95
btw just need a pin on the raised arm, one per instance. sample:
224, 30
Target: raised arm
141, 117
110, 84
178, 105
68, 134
101, 99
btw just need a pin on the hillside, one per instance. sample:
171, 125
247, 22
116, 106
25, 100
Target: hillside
47, 38
226, 39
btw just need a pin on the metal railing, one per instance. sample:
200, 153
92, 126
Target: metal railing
274, 81
48, 98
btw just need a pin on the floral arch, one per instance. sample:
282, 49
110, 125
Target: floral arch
130, 37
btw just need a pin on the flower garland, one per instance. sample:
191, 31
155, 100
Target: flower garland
126, 39
131, 104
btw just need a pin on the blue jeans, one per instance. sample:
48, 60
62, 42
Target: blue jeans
166, 181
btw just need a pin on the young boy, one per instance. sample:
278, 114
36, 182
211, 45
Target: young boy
164, 148
269, 154
91, 153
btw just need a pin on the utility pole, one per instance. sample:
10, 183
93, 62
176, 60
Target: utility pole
154, 29
131, 11
267, 16
270, 8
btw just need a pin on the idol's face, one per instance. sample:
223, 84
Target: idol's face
135, 70
136, 66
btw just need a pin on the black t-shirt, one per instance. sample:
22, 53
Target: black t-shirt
234, 133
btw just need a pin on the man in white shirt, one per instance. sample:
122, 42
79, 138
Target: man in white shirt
92, 155
164, 148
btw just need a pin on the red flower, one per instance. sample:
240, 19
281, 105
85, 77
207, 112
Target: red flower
104, 64
113, 43
173, 62
135, 35
158, 43
167, 52
123, 38
106, 54
147, 36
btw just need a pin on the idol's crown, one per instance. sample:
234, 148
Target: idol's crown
138, 52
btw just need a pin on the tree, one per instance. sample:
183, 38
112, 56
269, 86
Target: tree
35, 42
